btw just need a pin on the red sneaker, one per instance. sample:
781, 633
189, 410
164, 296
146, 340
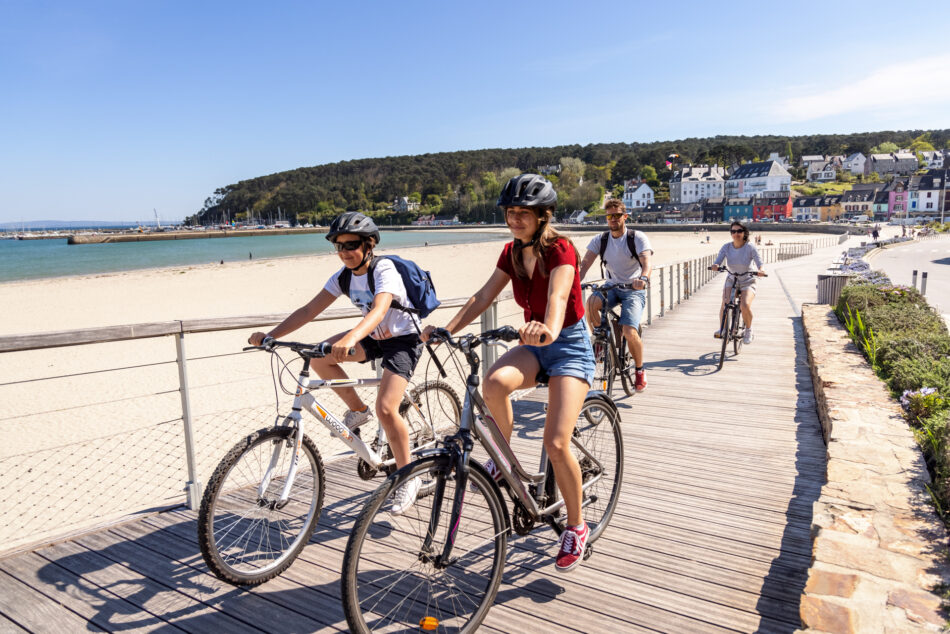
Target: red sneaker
641, 381
571, 548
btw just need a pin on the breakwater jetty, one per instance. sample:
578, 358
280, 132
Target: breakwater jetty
105, 238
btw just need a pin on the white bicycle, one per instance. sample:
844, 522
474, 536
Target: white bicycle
264, 499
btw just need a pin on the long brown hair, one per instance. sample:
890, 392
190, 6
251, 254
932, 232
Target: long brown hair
745, 231
545, 236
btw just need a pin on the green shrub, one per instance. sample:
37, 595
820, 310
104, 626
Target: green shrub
897, 346
917, 372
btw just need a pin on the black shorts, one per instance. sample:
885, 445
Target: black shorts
399, 354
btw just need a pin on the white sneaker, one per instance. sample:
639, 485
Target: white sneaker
405, 496
352, 420
717, 334
748, 336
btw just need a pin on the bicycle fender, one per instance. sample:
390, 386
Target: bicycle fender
602, 397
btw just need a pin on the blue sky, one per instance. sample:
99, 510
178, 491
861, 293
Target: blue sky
111, 109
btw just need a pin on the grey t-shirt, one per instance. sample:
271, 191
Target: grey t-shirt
738, 260
621, 265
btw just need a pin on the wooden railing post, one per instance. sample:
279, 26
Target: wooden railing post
193, 486
662, 294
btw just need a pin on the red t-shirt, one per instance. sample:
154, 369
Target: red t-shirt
532, 295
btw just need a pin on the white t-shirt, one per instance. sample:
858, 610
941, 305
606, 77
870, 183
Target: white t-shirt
387, 280
621, 265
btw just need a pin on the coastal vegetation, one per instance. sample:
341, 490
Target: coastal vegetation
907, 344
466, 183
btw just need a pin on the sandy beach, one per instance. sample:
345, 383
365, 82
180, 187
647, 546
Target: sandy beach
94, 432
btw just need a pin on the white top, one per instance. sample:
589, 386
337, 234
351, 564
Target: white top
738, 260
622, 266
387, 280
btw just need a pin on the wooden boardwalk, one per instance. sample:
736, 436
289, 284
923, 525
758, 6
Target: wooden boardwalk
711, 535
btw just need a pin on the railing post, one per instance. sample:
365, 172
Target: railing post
671, 286
679, 283
686, 280
662, 293
649, 305
193, 486
913, 279
489, 322
923, 283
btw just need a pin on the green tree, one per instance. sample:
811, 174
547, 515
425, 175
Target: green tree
788, 151
572, 171
648, 173
884, 148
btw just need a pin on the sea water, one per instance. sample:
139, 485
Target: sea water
32, 259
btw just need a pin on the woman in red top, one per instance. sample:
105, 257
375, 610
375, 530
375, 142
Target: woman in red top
542, 268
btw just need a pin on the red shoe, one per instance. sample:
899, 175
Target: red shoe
641, 381
571, 551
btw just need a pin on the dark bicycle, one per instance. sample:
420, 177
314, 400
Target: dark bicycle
611, 352
731, 323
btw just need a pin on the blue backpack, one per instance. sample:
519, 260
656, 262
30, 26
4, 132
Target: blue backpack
418, 283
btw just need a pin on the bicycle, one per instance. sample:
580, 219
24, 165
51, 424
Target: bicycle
732, 324
438, 566
265, 496
611, 352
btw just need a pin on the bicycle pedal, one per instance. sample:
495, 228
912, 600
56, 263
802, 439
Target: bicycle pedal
588, 551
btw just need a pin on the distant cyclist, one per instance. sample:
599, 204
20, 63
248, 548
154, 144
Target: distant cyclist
541, 265
384, 333
739, 256
626, 256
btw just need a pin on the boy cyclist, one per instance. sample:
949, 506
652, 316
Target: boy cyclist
624, 266
384, 333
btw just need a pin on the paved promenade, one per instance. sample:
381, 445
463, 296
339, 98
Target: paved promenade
711, 535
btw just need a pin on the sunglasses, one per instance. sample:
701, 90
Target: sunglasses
736, 231
615, 216
349, 245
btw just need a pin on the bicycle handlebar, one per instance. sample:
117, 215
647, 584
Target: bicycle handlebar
606, 286
505, 333
317, 351
759, 273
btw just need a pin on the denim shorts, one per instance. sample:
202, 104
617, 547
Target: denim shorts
570, 355
631, 304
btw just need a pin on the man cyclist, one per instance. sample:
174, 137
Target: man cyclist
623, 267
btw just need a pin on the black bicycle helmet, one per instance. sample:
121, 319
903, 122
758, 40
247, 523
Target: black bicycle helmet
528, 190
353, 222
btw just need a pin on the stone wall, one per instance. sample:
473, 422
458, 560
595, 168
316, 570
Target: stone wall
879, 551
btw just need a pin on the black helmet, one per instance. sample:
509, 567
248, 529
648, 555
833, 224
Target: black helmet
353, 222
528, 190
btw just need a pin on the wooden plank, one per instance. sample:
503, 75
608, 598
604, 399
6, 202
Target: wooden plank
92, 602
36, 612
145, 593
9, 627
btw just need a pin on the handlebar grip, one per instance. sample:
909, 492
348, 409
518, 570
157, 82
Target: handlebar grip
250, 348
507, 333
325, 348
543, 337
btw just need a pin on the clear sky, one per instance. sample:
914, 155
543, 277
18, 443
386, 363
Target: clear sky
111, 109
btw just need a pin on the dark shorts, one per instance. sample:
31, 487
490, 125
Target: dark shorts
399, 354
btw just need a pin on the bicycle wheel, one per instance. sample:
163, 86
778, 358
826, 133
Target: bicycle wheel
737, 328
724, 333
605, 365
603, 440
625, 364
245, 538
391, 579
437, 412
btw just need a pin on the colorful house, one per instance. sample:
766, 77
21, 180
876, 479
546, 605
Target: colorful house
737, 209
714, 209
776, 207
898, 199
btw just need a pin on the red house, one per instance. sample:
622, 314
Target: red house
775, 207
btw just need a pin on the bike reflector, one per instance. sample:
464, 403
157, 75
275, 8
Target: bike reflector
429, 623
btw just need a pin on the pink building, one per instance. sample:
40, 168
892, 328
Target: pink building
898, 200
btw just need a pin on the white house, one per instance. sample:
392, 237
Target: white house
821, 172
781, 160
577, 217
637, 194
402, 205
933, 160
693, 183
758, 180
926, 194
855, 163
808, 159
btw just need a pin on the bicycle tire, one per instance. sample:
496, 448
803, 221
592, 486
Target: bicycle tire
737, 328
724, 334
603, 439
440, 407
390, 584
625, 364
603, 371
264, 541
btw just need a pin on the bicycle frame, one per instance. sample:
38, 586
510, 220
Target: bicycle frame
304, 400
490, 437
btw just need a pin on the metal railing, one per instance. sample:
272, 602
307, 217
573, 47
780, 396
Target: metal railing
90, 443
